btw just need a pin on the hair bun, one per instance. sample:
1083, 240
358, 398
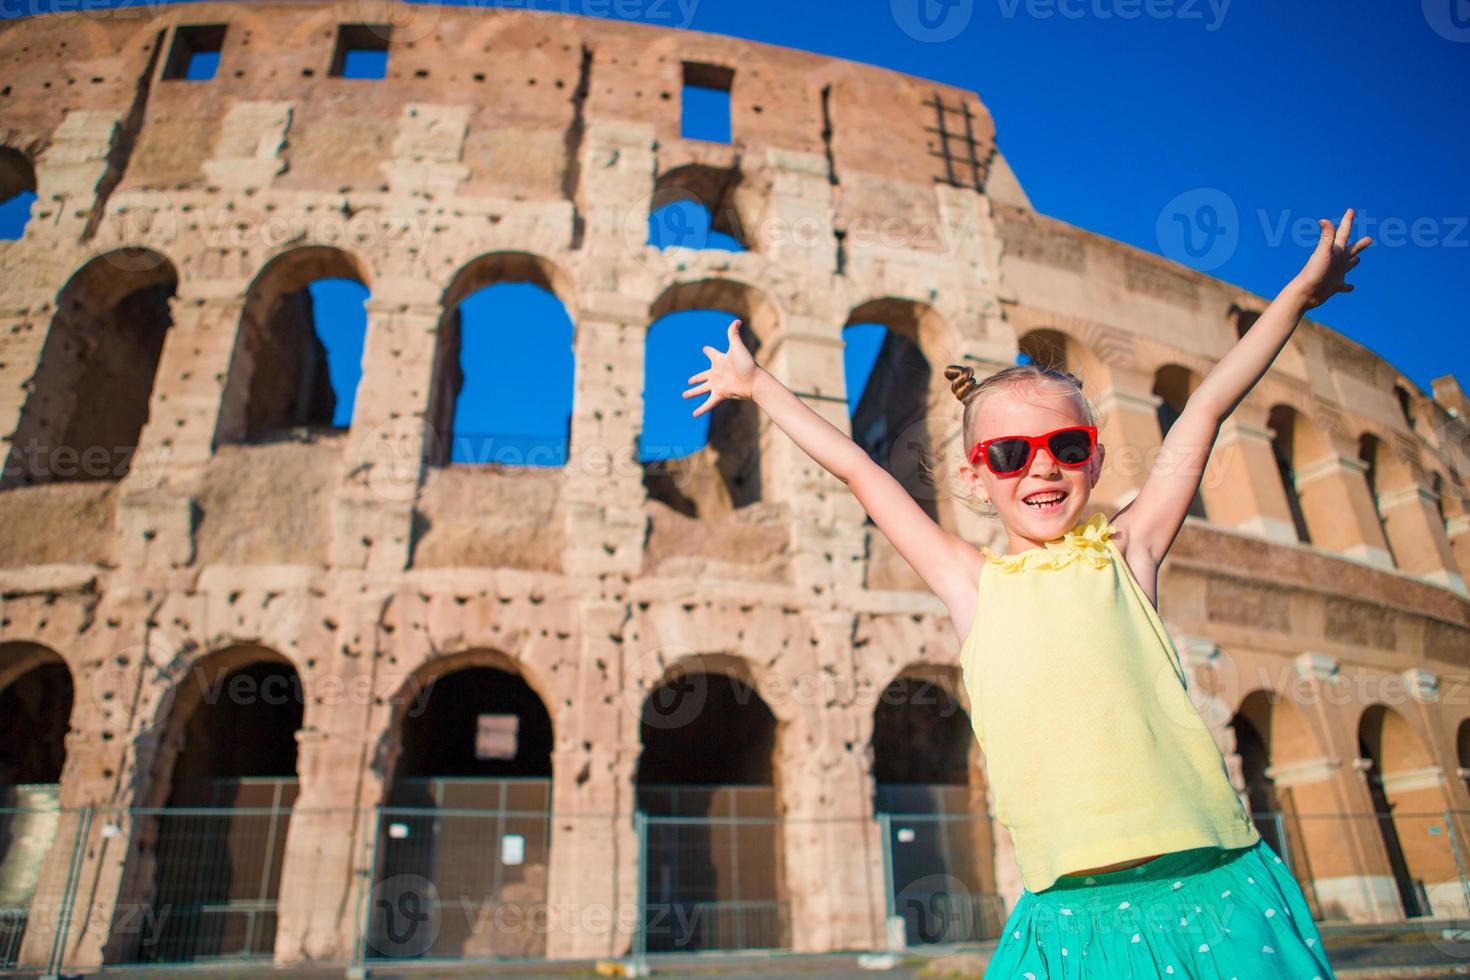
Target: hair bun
961, 380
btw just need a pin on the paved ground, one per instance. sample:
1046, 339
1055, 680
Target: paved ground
1440, 949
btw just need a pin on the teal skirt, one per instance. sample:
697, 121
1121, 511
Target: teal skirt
1195, 914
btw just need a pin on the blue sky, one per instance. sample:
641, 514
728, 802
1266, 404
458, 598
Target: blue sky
1231, 123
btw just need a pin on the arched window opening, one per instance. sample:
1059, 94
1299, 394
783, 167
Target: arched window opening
698, 207
1173, 385
1437, 487
506, 374
17, 193
1406, 404
476, 741
1405, 809
215, 851
35, 711
302, 337
712, 865
927, 783
1283, 425
515, 378
1271, 736
1244, 319
706, 466
686, 223
1370, 454
89, 399
339, 311
890, 414
1462, 751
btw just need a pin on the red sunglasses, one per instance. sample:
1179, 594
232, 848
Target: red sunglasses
1008, 455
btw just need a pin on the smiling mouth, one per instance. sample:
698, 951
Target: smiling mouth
1045, 501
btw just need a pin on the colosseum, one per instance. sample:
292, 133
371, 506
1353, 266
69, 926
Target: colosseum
276, 688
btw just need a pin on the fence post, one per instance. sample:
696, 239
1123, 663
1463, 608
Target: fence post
640, 920
1276, 818
1449, 826
885, 830
357, 962
68, 893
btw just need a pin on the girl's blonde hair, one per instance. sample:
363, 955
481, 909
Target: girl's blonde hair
972, 392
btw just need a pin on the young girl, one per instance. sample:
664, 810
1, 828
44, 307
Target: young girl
1137, 856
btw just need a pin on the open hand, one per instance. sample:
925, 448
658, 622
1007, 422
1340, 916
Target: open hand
731, 373
1322, 277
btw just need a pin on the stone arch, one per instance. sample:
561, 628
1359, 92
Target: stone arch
470, 732
706, 783
278, 377
487, 271
907, 419
717, 190
1386, 474
36, 698
491, 268
1298, 446
1286, 776
187, 736
1055, 347
1462, 751
89, 397
17, 178
928, 780
1173, 386
208, 790
17, 173
1405, 402
414, 697
726, 473
743, 671
749, 302
1408, 795
1439, 486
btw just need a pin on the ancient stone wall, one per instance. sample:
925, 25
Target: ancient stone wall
520, 147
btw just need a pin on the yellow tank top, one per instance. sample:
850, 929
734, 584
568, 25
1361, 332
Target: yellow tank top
1093, 750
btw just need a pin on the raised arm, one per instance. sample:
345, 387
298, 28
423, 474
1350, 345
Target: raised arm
934, 553
1150, 523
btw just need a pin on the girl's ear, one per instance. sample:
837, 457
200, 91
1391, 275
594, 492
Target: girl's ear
1094, 471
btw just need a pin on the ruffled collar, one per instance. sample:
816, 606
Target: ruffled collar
1085, 542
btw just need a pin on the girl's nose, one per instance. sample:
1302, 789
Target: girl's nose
1042, 464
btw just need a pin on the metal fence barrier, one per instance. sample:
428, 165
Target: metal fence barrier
711, 883
200, 884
